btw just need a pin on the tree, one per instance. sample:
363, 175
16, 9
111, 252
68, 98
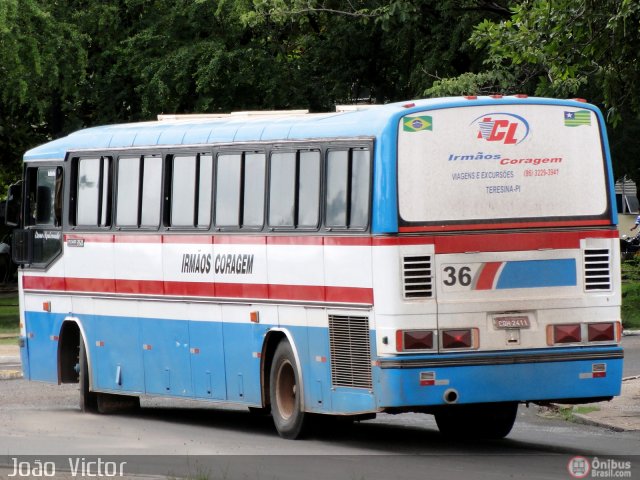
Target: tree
42, 60
566, 48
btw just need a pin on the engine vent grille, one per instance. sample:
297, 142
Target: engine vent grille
417, 277
597, 269
350, 351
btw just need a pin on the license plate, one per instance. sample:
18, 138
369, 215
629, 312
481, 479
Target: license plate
512, 321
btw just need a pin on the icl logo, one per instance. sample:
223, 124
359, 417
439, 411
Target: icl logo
505, 128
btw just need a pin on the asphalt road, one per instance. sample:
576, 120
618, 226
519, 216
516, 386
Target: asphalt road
197, 440
170, 439
631, 345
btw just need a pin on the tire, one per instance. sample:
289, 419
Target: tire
88, 399
285, 395
480, 421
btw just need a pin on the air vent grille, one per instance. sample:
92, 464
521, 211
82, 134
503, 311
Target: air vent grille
597, 269
350, 351
417, 277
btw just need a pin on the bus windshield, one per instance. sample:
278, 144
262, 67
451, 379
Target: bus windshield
501, 163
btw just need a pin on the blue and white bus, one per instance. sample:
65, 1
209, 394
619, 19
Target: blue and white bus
454, 256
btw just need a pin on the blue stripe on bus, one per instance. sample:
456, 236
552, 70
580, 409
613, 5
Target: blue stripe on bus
208, 360
226, 367
538, 273
500, 383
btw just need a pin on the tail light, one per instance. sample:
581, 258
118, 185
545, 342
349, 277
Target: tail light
569, 333
602, 332
460, 338
414, 340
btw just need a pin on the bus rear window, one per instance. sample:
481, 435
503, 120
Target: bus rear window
486, 164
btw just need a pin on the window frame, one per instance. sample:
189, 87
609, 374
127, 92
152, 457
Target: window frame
142, 156
168, 190
349, 148
265, 149
242, 153
297, 149
105, 192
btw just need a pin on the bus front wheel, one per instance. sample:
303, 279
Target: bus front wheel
486, 421
88, 399
285, 393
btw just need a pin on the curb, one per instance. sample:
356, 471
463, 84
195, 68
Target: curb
631, 333
10, 374
586, 420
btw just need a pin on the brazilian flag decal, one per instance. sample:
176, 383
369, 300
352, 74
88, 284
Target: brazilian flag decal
417, 124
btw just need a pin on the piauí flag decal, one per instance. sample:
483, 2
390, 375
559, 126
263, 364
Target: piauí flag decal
575, 119
417, 124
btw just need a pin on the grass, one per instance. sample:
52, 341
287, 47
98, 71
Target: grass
9, 316
568, 412
631, 293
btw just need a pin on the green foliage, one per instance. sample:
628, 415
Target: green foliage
9, 317
565, 48
42, 61
74, 63
631, 293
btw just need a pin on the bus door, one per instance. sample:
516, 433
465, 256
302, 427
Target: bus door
36, 247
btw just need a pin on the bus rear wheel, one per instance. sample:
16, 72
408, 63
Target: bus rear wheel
285, 394
480, 421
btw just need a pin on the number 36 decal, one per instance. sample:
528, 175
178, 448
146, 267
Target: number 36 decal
454, 275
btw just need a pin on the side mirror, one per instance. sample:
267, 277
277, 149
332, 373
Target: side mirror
13, 205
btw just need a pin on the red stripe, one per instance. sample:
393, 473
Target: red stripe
309, 293
193, 289
487, 275
43, 283
199, 239
239, 240
93, 238
491, 226
297, 292
294, 240
138, 238
242, 290
498, 242
143, 287
349, 241
179, 238
106, 285
398, 241
349, 295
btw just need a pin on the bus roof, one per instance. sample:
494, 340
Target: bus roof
255, 127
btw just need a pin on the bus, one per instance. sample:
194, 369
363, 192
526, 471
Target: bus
451, 256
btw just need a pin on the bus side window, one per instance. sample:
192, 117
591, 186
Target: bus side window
360, 181
240, 190
191, 179
228, 175
93, 199
44, 196
348, 185
139, 191
253, 190
282, 187
294, 190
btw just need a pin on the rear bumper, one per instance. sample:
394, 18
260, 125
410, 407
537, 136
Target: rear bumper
537, 375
